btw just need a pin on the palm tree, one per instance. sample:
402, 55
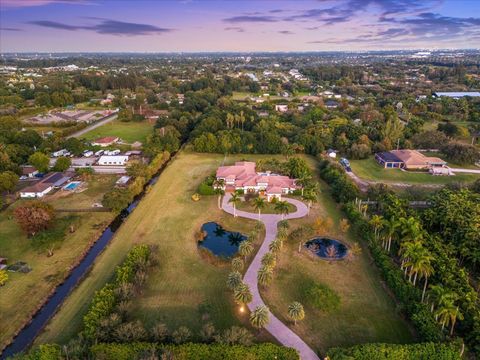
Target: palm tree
245, 249
269, 260
260, 317
311, 197
296, 312
259, 205
425, 269
448, 313
304, 180
237, 264
436, 294
390, 228
243, 294
234, 280
408, 252
265, 275
252, 236
234, 199
219, 185
354, 250
275, 246
282, 208
282, 233
377, 223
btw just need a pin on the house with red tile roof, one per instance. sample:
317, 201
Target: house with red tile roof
243, 176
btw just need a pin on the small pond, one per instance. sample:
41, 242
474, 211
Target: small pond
327, 248
219, 241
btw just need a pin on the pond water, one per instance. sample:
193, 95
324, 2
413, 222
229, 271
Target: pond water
219, 241
327, 248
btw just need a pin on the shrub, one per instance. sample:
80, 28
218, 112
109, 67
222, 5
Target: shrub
321, 297
205, 189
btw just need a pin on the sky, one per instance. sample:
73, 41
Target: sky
236, 25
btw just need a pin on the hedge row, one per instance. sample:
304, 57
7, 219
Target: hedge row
193, 351
105, 300
342, 187
424, 351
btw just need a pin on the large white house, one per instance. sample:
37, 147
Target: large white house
243, 176
118, 160
36, 191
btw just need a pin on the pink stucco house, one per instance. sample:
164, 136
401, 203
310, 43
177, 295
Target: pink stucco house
243, 176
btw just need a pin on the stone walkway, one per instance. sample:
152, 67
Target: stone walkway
275, 327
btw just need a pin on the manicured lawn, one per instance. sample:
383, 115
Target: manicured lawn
269, 207
127, 131
186, 285
366, 313
23, 293
369, 169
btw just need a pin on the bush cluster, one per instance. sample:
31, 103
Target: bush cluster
342, 188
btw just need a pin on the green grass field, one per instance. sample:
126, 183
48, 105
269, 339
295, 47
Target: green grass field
366, 313
24, 293
187, 288
369, 169
127, 131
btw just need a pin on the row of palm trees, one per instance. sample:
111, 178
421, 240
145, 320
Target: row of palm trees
416, 263
259, 203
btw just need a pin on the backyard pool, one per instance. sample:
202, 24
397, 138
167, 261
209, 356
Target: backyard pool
71, 186
219, 241
327, 248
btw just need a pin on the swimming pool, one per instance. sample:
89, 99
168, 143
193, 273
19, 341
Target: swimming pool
72, 185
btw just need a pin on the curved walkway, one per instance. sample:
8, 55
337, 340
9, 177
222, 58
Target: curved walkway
275, 327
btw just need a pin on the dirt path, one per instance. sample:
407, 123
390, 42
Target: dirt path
275, 327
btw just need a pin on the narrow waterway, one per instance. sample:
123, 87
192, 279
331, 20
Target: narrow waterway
27, 335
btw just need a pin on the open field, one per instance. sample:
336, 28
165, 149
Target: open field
366, 312
127, 131
186, 288
369, 169
24, 293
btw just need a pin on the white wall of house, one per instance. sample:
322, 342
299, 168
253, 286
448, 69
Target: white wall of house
35, 194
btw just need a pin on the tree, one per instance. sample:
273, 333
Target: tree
377, 223
3, 277
296, 312
282, 208
304, 180
354, 250
181, 335
40, 161
389, 227
275, 246
235, 200
242, 294
34, 216
259, 205
117, 199
8, 181
235, 335
260, 317
310, 196
245, 249
219, 186
234, 280
344, 225
237, 264
424, 267
265, 275
159, 332
62, 164
208, 332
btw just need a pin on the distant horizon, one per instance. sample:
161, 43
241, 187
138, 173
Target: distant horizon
193, 26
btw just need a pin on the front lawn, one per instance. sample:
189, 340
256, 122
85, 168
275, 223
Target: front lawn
127, 131
269, 207
24, 293
369, 169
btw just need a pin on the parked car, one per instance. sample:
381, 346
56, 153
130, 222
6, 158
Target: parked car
87, 153
346, 164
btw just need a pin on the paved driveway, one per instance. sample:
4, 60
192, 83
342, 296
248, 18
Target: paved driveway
278, 329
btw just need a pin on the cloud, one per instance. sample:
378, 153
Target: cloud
32, 3
286, 32
234, 28
250, 19
10, 29
106, 26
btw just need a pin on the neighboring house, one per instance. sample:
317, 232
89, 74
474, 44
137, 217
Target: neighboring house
118, 160
36, 191
243, 176
332, 153
456, 94
55, 179
331, 104
408, 159
123, 181
105, 141
281, 108
29, 171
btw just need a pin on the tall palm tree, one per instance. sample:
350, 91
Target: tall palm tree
235, 200
310, 196
260, 317
219, 185
237, 264
390, 228
411, 229
269, 260
425, 269
282, 233
259, 205
436, 295
448, 313
408, 252
265, 275
275, 246
304, 180
296, 312
243, 294
252, 235
234, 280
282, 208
245, 249
377, 223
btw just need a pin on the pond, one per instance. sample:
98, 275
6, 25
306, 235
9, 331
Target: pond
327, 248
219, 241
